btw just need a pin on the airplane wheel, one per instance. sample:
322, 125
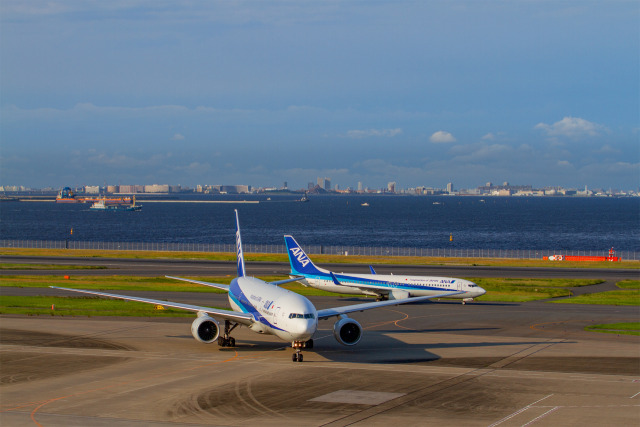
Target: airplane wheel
222, 342
295, 357
232, 342
300, 357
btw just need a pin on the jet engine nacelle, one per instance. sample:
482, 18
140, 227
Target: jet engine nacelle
205, 329
398, 294
347, 331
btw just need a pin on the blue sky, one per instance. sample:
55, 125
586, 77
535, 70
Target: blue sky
251, 92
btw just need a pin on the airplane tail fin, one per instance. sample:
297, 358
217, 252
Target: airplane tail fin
239, 252
300, 262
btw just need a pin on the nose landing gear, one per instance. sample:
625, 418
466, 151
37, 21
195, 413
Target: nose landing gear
298, 346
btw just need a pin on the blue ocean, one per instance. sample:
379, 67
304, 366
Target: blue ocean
562, 223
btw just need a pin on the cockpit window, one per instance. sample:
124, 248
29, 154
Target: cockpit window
302, 316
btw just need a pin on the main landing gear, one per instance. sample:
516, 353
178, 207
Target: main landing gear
226, 340
298, 346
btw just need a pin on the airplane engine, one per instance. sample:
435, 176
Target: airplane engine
347, 331
205, 329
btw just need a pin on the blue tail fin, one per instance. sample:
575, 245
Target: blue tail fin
239, 252
300, 262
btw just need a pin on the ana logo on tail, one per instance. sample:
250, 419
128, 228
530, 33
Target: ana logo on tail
300, 256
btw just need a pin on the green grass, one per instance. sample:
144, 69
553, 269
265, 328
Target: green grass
523, 290
82, 306
138, 283
632, 328
131, 283
498, 289
629, 284
624, 297
8, 266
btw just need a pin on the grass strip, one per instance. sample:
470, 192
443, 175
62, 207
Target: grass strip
523, 290
623, 297
83, 306
138, 283
631, 328
629, 284
8, 266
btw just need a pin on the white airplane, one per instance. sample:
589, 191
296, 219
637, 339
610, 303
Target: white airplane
382, 286
266, 308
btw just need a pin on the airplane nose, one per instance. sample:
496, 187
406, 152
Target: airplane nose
305, 328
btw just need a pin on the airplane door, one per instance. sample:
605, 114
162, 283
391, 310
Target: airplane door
276, 313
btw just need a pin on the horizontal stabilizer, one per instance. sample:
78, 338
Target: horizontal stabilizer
282, 282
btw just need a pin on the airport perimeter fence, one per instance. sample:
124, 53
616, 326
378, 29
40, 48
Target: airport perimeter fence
312, 249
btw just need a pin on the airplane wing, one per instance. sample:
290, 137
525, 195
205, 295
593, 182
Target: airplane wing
213, 285
330, 312
244, 318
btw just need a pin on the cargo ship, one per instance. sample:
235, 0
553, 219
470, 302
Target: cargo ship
66, 195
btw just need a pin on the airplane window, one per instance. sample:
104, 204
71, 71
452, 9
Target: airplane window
309, 316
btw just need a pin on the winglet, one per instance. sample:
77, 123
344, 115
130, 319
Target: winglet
372, 270
239, 247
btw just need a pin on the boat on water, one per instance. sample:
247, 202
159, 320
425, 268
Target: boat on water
66, 195
364, 204
133, 206
102, 205
304, 198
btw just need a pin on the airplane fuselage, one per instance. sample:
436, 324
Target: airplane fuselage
277, 311
374, 284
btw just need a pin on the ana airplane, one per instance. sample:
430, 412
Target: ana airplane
383, 286
266, 308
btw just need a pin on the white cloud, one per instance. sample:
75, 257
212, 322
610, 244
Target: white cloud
494, 136
564, 163
572, 127
390, 133
442, 137
177, 137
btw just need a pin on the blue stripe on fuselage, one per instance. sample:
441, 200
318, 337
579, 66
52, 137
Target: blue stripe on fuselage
355, 281
238, 296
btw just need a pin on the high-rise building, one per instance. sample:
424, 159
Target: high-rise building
391, 187
359, 185
324, 183
450, 187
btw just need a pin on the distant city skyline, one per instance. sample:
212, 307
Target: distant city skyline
258, 93
324, 184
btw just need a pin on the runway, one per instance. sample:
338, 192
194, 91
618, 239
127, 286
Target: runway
433, 363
